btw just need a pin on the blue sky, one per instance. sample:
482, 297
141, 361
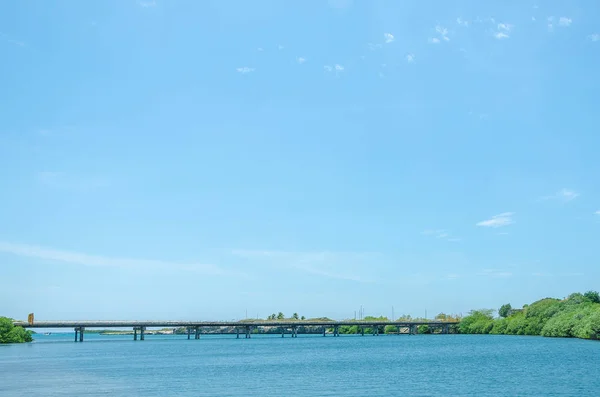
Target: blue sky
194, 160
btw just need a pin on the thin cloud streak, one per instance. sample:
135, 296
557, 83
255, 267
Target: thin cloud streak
77, 258
10, 40
316, 263
564, 195
245, 70
499, 220
565, 22
495, 273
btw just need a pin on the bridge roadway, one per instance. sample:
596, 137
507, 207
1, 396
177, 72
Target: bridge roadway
246, 326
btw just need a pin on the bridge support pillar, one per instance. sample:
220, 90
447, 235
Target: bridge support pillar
79, 332
362, 331
398, 330
237, 331
189, 331
197, 333
336, 330
282, 332
294, 332
142, 329
414, 329
135, 333
445, 329
248, 332
324, 330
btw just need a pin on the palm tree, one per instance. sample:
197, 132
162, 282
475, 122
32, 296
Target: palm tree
280, 316
295, 316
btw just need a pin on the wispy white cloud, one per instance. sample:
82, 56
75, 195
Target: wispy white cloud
502, 31
452, 276
327, 264
389, 38
245, 70
147, 4
301, 60
5, 37
562, 195
280, 47
495, 273
499, 220
442, 33
462, 22
594, 37
550, 23
260, 49
77, 258
441, 234
410, 58
374, 47
337, 68
441, 30
597, 212
564, 22
62, 180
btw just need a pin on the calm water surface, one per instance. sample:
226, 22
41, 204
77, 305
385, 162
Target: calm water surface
418, 365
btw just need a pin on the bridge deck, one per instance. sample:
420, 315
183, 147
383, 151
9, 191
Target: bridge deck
176, 324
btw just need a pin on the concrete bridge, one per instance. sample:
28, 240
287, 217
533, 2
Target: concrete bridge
244, 327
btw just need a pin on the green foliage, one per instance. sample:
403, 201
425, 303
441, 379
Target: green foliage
11, 334
295, 316
592, 296
280, 316
577, 316
505, 310
477, 322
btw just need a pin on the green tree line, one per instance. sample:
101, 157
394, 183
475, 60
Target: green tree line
577, 316
281, 316
11, 334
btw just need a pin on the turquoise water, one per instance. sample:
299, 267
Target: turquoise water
392, 365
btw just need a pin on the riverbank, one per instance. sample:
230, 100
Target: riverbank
577, 316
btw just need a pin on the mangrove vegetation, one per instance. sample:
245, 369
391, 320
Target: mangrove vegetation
11, 334
577, 316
